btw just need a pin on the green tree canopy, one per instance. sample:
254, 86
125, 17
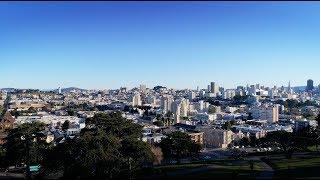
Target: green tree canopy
108, 147
178, 145
227, 125
65, 125
19, 138
158, 123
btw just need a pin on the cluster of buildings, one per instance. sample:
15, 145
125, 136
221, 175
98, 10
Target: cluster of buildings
251, 111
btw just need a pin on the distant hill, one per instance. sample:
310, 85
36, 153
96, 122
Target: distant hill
7, 89
69, 89
63, 89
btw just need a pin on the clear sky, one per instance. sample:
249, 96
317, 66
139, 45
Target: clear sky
175, 44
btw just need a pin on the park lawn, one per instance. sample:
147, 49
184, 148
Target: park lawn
171, 168
296, 167
312, 148
224, 173
213, 169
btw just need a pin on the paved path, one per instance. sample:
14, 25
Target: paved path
267, 172
11, 176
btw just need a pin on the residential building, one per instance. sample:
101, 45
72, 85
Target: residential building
270, 113
217, 138
136, 100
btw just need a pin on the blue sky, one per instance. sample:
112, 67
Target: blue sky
175, 44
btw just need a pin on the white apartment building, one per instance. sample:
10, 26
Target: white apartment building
177, 112
229, 93
184, 107
271, 113
166, 103
136, 100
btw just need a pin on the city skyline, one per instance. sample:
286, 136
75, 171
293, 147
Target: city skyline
106, 45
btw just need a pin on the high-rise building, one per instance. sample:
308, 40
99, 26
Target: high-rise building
214, 88
229, 93
177, 111
143, 88
192, 95
59, 90
184, 107
136, 100
152, 100
309, 85
166, 103
200, 106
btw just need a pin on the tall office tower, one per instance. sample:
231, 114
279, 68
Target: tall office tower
253, 90
197, 88
136, 99
214, 88
202, 93
200, 106
184, 107
209, 88
59, 90
143, 88
152, 100
290, 91
166, 103
192, 95
177, 111
309, 85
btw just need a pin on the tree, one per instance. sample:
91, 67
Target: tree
178, 145
318, 120
32, 110
1, 111
65, 125
211, 110
71, 112
250, 116
108, 147
2, 157
158, 123
23, 144
288, 142
227, 125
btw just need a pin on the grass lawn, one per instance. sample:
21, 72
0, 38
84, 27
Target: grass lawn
312, 148
307, 167
213, 169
